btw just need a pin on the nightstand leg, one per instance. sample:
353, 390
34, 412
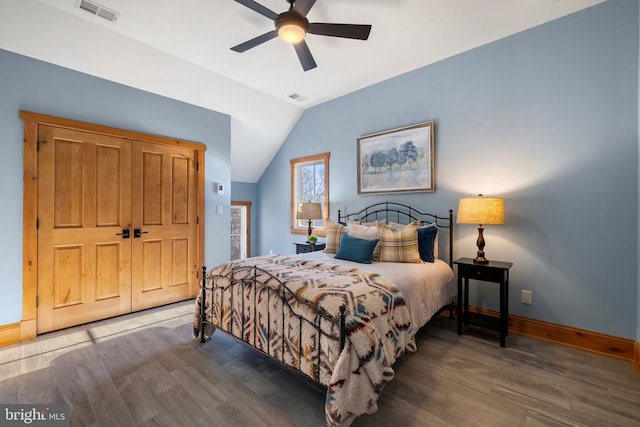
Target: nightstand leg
506, 303
465, 316
503, 313
459, 307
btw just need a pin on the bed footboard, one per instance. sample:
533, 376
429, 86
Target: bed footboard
254, 284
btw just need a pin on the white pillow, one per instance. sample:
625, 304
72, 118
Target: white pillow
364, 232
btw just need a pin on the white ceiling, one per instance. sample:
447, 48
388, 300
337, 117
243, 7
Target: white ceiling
180, 49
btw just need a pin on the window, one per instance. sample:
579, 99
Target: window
309, 183
240, 230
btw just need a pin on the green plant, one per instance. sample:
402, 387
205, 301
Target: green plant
313, 238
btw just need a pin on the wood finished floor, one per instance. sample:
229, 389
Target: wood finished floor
144, 369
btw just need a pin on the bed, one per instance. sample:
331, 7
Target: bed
339, 323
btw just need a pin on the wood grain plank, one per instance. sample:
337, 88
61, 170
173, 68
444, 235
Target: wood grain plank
29, 116
9, 334
29, 221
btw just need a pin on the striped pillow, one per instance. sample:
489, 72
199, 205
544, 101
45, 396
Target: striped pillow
334, 236
399, 245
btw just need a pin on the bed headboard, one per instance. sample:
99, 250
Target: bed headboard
403, 214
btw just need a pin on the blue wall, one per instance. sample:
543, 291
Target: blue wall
27, 84
546, 118
248, 192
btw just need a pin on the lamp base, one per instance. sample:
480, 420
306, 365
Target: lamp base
480, 259
309, 231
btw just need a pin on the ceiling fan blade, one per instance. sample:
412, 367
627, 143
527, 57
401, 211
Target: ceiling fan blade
255, 41
257, 7
303, 6
349, 31
304, 55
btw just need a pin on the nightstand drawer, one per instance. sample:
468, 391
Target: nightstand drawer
303, 248
481, 273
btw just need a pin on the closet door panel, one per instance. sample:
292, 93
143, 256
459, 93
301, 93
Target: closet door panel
84, 203
164, 209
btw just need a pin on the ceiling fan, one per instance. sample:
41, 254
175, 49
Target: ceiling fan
292, 26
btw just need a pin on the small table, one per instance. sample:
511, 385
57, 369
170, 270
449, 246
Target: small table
495, 272
302, 248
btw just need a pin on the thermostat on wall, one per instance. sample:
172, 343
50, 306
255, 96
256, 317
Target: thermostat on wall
218, 188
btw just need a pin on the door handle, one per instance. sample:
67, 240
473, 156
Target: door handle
137, 233
124, 234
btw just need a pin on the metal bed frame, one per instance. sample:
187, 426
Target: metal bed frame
260, 279
388, 211
275, 288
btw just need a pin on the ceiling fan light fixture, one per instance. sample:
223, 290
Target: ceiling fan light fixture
291, 32
291, 26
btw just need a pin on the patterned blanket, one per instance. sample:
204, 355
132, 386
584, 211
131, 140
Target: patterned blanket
377, 324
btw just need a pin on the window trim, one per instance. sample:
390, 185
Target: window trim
247, 206
295, 229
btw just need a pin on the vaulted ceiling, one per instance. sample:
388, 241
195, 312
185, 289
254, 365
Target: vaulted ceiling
181, 49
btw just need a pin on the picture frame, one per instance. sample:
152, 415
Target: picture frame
397, 161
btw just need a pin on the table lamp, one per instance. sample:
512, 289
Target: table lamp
309, 211
482, 211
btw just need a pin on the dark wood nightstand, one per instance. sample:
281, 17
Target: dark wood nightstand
302, 248
495, 272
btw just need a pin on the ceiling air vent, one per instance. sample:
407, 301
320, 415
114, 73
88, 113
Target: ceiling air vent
298, 97
98, 10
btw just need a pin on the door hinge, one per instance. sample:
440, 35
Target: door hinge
37, 223
40, 141
37, 301
197, 166
197, 220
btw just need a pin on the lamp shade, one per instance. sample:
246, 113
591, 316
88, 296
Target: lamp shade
309, 211
480, 210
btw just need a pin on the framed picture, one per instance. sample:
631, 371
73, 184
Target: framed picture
397, 160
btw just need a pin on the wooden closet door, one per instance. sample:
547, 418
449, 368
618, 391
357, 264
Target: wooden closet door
84, 264
164, 209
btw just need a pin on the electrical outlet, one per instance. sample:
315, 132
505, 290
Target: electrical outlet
526, 297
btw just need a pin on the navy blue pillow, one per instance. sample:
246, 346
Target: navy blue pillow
426, 240
356, 250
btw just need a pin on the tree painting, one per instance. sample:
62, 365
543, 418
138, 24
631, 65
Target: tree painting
398, 160
378, 160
